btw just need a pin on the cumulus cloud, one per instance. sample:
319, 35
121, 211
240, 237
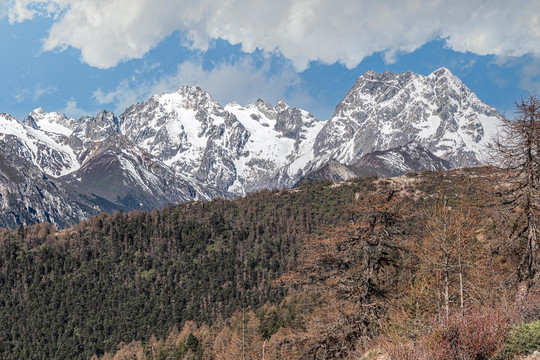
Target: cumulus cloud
345, 31
251, 80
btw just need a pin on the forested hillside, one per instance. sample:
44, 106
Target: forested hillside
125, 276
315, 272
426, 266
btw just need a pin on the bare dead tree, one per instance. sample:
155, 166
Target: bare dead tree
449, 250
353, 269
517, 148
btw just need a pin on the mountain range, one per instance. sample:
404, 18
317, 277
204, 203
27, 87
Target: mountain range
185, 146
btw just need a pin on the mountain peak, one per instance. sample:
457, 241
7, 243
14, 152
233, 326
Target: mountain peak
192, 90
442, 72
369, 73
7, 117
382, 111
37, 114
38, 111
105, 114
281, 105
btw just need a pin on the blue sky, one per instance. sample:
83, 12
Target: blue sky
81, 56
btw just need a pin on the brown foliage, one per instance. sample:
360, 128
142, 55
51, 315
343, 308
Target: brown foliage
354, 269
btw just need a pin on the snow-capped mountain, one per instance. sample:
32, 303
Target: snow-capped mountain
382, 111
28, 193
46, 150
280, 142
237, 149
185, 146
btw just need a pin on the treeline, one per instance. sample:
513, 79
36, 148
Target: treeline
127, 276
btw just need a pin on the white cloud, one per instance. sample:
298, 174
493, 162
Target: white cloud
527, 70
72, 109
18, 11
147, 67
4, 6
346, 31
242, 81
20, 95
39, 91
530, 76
21, 10
128, 92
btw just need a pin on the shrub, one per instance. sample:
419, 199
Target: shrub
523, 340
528, 308
398, 349
478, 335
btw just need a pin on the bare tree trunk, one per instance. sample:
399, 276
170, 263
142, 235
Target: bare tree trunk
461, 302
243, 334
446, 288
532, 245
446, 252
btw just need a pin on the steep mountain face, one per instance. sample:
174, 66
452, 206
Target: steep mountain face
397, 161
185, 146
333, 171
128, 178
176, 127
98, 128
237, 149
386, 110
279, 145
29, 195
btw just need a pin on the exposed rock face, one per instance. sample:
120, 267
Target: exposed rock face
386, 110
185, 146
399, 161
333, 171
386, 163
96, 128
116, 170
28, 195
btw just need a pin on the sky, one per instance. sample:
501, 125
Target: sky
81, 56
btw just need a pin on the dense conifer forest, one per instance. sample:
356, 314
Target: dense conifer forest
118, 277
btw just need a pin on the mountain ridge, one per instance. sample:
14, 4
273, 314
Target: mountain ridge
185, 146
